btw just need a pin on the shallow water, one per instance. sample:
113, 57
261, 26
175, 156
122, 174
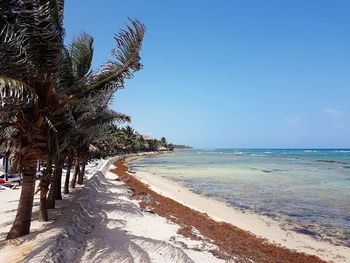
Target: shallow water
306, 190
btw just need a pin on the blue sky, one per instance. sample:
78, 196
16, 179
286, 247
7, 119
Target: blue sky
232, 73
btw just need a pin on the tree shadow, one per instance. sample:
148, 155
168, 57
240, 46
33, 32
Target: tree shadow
85, 233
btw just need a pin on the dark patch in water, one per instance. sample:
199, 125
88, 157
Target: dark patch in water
322, 161
347, 218
291, 214
331, 161
237, 204
273, 170
304, 231
346, 167
269, 214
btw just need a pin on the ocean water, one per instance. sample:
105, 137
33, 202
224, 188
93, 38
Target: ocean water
307, 191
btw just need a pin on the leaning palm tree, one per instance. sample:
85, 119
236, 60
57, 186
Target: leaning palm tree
87, 89
88, 93
31, 40
89, 130
76, 76
31, 50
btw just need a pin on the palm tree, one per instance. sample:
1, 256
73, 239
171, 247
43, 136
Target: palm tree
31, 40
89, 93
31, 50
130, 138
163, 142
152, 145
89, 129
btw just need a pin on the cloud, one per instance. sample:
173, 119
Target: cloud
293, 120
334, 113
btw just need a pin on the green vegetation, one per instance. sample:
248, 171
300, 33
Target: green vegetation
53, 105
114, 141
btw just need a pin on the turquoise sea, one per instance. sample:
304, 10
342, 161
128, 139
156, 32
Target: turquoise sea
307, 191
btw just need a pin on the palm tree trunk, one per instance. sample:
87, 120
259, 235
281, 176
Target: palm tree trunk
51, 201
69, 167
21, 225
43, 215
83, 168
81, 173
58, 188
6, 158
44, 188
76, 172
55, 188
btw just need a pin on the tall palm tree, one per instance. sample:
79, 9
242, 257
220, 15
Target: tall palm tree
76, 74
89, 131
88, 94
31, 50
130, 138
88, 99
31, 40
163, 142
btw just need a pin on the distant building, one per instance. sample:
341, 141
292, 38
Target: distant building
147, 138
162, 149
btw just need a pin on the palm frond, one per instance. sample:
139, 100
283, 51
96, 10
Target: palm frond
81, 53
57, 10
113, 73
65, 79
121, 117
102, 117
86, 106
15, 94
31, 38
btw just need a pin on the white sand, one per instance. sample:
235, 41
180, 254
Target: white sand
9, 202
106, 226
15, 250
256, 224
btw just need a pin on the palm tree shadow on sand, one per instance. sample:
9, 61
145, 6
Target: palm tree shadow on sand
91, 229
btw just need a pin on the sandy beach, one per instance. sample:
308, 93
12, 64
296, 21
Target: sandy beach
106, 225
260, 226
43, 234
232, 145
119, 219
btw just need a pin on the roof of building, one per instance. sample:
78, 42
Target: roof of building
147, 138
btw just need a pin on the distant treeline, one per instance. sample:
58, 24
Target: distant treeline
115, 140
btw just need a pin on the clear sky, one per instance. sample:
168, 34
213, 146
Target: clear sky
263, 73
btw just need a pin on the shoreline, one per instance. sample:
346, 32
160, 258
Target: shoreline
116, 218
259, 225
101, 222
